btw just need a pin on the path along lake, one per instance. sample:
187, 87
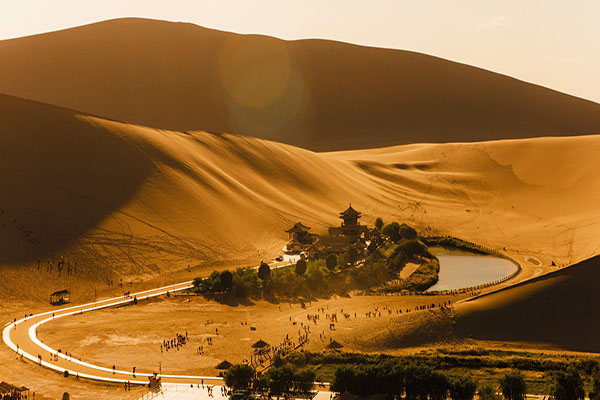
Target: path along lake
461, 269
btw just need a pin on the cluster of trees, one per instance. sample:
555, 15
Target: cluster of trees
416, 382
365, 374
304, 279
279, 380
397, 232
319, 277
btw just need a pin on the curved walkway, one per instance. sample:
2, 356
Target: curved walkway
21, 337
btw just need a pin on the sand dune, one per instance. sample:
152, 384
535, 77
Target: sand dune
559, 310
316, 94
130, 201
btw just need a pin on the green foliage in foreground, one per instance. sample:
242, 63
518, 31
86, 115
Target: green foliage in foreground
488, 367
513, 386
239, 376
567, 385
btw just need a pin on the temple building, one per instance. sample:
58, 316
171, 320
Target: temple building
350, 234
350, 228
299, 232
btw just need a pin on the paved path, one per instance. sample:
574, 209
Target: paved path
20, 336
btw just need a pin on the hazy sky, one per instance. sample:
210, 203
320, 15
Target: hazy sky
555, 43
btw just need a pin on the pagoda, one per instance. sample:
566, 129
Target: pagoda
350, 228
299, 232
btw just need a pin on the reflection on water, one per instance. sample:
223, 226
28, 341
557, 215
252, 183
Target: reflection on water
460, 270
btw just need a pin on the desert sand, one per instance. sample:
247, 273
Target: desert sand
315, 94
130, 202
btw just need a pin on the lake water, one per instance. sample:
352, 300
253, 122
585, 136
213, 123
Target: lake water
460, 269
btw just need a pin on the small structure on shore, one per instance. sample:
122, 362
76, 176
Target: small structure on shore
224, 365
14, 392
334, 345
60, 297
260, 344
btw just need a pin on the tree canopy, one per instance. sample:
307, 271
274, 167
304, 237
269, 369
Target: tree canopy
264, 271
239, 376
513, 386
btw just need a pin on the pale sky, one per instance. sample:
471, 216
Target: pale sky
554, 43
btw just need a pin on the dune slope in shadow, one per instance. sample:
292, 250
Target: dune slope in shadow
561, 309
316, 94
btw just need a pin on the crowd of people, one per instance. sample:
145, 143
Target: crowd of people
175, 343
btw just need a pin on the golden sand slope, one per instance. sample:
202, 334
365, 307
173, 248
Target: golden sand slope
138, 201
316, 94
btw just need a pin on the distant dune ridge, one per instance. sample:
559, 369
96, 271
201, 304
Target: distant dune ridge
316, 94
136, 202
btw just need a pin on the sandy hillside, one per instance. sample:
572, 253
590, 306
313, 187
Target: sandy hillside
558, 310
129, 201
315, 94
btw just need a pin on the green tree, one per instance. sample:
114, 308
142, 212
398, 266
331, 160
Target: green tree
245, 281
595, 389
513, 386
462, 388
264, 271
304, 380
407, 232
397, 262
379, 223
438, 386
239, 376
300, 267
281, 379
331, 262
226, 278
567, 385
342, 378
392, 231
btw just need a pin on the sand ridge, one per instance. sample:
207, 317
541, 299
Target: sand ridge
317, 94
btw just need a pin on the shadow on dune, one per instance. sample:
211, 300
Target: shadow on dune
60, 176
561, 309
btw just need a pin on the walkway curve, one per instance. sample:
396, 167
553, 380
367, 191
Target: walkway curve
21, 337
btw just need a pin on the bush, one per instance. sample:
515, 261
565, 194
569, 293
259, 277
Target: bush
239, 376
513, 386
462, 388
486, 392
331, 262
567, 385
379, 223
